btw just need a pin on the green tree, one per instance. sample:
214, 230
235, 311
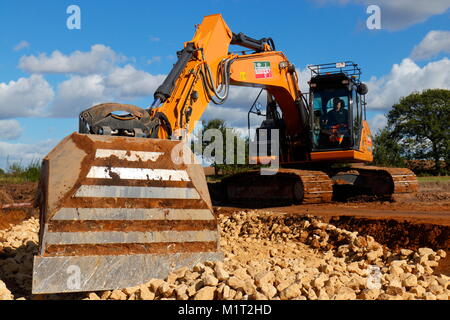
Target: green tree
387, 150
221, 125
420, 124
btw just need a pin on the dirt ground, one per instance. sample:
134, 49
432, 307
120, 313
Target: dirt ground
421, 222
16, 203
19, 193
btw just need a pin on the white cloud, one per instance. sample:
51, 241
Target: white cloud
154, 39
99, 59
10, 129
94, 77
405, 78
122, 83
21, 45
235, 109
303, 77
377, 123
242, 97
156, 59
24, 153
24, 97
399, 14
128, 82
78, 93
233, 116
434, 43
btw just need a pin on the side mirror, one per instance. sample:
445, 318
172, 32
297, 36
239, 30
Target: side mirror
362, 89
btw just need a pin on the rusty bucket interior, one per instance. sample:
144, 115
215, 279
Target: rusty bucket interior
116, 212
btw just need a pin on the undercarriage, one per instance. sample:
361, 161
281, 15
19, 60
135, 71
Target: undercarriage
319, 186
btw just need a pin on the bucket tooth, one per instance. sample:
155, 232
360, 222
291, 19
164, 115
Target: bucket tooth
117, 211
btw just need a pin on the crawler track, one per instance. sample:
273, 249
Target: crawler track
396, 183
297, 186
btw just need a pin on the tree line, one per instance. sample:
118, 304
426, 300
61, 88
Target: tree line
418, 128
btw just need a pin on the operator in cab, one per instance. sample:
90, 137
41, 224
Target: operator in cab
339, 115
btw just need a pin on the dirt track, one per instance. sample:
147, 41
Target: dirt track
16, 203
414, 212
429, 212
17, 193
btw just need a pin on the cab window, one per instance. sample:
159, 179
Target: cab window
331, 119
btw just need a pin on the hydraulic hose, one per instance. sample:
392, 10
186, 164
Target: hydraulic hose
222, 90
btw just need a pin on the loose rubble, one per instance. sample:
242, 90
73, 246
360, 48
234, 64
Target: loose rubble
5, 294
18, 245
267, 256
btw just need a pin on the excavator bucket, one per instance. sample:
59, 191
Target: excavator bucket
118, 211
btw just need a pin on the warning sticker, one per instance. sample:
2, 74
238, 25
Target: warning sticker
262, 70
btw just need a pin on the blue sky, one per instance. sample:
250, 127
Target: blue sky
49, 73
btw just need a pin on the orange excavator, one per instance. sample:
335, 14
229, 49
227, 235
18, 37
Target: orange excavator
119, 206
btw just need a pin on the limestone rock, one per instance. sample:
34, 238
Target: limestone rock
345, 293
5, 294
130, 291
145, 293
154, 284
418, 290
373, 255
410, 281
221, 273
269, 290
264, 277
205, 293
210, 280
369, 294
291, 292
92, 296
118, 295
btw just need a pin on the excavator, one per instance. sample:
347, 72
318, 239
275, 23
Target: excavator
119, 204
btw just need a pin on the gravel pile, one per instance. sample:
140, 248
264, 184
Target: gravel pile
17, 247
268, 256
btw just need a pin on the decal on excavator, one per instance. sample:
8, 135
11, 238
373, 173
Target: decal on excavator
262, 70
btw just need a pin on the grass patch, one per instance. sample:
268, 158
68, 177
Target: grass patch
19, 173
434, 183
434, 178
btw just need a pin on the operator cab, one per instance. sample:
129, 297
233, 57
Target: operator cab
337, 106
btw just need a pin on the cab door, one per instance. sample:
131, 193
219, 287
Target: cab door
357, 116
